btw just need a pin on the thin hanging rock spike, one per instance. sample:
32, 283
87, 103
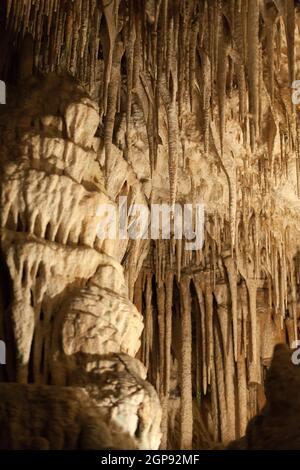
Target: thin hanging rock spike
112, 104
8, 9
298, 157
192, 56
223, 50
84, 27
206, 71
109, 8
227, 162
253, 68
168, 96
50, 17
186, 33
290, 36
69, 33
137, 55
169, 59
239, 63
181, 64
131, 36
271, 15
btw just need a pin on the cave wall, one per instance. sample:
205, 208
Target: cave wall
189, 101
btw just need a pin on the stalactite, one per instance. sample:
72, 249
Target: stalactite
131, 35
188, 66
271, 15
298, 158
137, 54
169, 100
186, 417
253, 68
8, 8
112, 104
228, 165
206, 67
224, 43
290, 36
239, 45
75, 38
109, 9
192, 56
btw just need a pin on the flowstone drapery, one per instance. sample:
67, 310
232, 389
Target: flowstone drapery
66, 306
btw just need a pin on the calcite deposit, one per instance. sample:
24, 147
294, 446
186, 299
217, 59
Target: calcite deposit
68, 298
168, 102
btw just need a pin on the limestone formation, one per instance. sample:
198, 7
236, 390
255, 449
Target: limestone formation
67, 297
168, 102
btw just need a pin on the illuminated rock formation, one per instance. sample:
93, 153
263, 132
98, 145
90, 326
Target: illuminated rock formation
194, 105
68, 299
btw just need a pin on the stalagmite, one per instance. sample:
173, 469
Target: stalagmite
186, 417
209, 326
168, 341
232, 277
200, 298
161, 300
219, 367
251, 287
148, 324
